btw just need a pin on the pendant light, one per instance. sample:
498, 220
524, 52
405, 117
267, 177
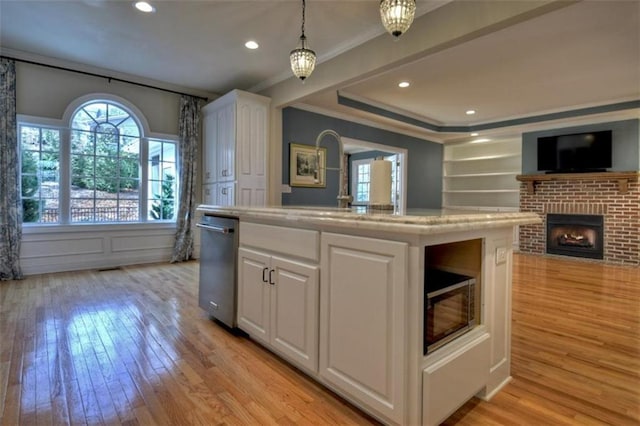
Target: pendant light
303, 60
397, 15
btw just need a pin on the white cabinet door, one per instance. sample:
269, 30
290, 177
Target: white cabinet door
209, 126
278, 305
209, 194
254, 293
226, 138
362, 332
294, 316
225, 194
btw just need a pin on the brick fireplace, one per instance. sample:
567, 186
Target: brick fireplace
614, 196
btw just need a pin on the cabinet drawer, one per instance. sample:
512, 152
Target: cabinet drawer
453, 380
302, 243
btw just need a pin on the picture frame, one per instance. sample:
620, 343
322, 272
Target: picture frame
302, 166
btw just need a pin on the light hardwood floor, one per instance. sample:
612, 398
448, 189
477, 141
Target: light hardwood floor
132, 347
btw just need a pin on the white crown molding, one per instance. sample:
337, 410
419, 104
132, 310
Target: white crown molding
427, 136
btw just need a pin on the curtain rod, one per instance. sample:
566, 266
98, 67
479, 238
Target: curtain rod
109, 79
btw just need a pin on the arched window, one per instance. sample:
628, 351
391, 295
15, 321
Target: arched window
102, 170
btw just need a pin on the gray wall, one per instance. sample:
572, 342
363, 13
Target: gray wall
625, 144
424, 159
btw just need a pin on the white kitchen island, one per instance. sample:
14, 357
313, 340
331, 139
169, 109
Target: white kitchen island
340, 294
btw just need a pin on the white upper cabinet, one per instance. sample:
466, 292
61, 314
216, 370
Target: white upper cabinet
235, 145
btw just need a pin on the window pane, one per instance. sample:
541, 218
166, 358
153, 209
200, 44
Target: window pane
97, 111
106, 211
129, 168
82, 142
169, 152
30, 162
107, 188
82, 210
30, 138
129, 210
155, 149
130, 146
50, 211
129, 188
82, 121
82, 165
50, 140
129, 128
30, 186
116, 114
106, 140
31, 210
162, 185
40, 162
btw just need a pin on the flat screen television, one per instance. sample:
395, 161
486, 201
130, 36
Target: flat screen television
575, 153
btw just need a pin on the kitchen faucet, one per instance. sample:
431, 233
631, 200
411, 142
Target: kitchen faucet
343, 199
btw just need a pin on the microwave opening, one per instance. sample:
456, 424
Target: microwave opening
449, 307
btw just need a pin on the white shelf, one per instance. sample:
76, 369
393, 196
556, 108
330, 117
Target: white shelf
484, 157
482, 208
482, 176
476, 191
464, 175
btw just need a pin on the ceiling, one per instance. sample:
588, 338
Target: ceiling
583, 55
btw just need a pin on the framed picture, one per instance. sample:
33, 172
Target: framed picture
302, 166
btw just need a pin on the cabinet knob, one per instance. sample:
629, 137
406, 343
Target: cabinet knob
271, 277
264, 277
224, 191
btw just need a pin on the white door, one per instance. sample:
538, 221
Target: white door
294, 311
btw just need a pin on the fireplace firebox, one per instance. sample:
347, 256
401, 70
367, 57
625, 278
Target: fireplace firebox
575, 235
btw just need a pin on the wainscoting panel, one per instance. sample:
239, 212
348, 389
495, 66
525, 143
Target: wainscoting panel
78, 245
70, 248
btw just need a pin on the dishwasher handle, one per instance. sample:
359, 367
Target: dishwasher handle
219, 229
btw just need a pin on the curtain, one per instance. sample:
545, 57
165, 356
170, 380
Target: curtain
188, 146
10, 204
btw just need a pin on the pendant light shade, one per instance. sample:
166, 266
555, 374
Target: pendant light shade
303, 60
397, 15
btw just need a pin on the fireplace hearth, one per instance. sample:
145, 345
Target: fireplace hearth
575, 235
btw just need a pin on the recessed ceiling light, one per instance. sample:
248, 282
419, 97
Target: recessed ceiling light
473, 134
143, 6
251, 45
470, 112
404, 84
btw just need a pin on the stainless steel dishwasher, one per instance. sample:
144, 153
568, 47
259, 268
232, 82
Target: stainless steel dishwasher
218, 290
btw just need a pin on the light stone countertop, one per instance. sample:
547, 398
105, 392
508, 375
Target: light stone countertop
419, 221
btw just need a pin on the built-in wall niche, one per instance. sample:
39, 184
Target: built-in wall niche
481, 175
452, 292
